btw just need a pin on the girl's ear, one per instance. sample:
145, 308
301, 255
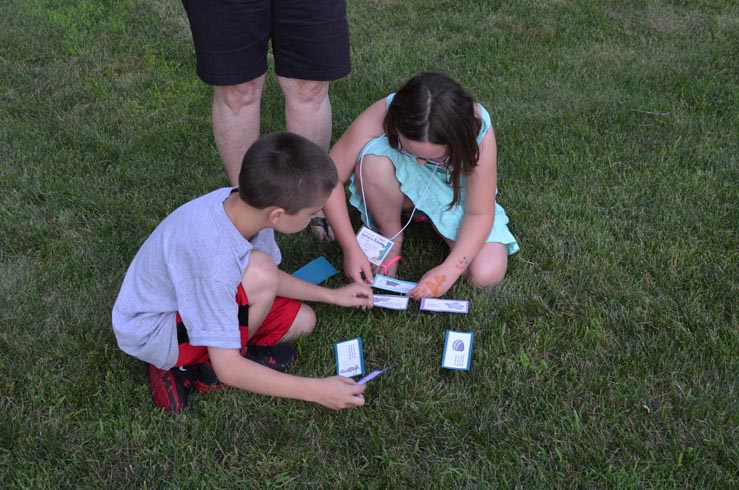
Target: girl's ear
275, 216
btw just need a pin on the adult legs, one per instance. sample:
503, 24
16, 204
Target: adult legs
308, 113
307, 109
235, 115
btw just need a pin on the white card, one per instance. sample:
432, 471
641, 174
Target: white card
391, 301
371, 376
445, 305
457, 350
392, 284
349, 357
374, 245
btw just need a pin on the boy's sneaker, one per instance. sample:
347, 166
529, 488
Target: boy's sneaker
170, 388
278, 357
206, 380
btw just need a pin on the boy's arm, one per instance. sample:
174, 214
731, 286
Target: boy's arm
336, 392
355, 294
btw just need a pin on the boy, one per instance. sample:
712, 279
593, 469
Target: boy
176, 308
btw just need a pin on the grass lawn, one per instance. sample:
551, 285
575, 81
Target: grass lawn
606, 359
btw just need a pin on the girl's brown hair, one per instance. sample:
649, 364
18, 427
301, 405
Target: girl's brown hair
433, 108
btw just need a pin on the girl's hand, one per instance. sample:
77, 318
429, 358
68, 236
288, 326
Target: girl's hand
356, 294
356, 264
435, 282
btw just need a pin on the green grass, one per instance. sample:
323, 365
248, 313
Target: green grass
606, 359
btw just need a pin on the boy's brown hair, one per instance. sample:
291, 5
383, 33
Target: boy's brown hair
286, 170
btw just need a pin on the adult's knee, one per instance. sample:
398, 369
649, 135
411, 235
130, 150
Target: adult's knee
304, 91
241, 95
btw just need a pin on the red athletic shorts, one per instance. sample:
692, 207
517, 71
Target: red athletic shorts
278, 321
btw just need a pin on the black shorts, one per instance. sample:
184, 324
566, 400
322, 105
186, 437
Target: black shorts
310, 39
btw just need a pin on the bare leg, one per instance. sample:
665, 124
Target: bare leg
308, 113
260, 281
303, 324
385, 202
489, 266
235, 114
307, 109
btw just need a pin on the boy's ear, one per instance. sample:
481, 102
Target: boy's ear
275, 215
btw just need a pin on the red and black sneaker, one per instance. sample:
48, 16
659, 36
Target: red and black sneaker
170, 388
206, 380
278, 357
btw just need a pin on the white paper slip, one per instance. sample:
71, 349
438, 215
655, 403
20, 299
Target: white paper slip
349, 357
392, 284
371, 376
457, 350
391, 301
445, 305
374, 245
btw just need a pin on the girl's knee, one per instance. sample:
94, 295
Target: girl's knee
489, 269
375, 168
485, 278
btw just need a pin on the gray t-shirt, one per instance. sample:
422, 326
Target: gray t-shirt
192, 263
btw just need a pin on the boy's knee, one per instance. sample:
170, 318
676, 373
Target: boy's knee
304, 323
261, 272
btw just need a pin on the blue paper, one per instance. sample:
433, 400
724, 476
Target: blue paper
316, 271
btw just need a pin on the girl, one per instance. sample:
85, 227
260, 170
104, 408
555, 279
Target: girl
429, 148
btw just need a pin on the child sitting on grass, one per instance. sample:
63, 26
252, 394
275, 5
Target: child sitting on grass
428, 148
203, 302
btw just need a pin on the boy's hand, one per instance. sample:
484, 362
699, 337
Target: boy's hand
338, 392
355, 294
435, 283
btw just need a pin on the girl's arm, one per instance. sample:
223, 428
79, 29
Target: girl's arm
479, 214
345, 154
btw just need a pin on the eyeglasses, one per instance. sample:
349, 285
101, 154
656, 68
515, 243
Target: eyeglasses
439, 162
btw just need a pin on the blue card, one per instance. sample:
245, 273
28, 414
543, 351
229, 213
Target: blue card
316, 271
